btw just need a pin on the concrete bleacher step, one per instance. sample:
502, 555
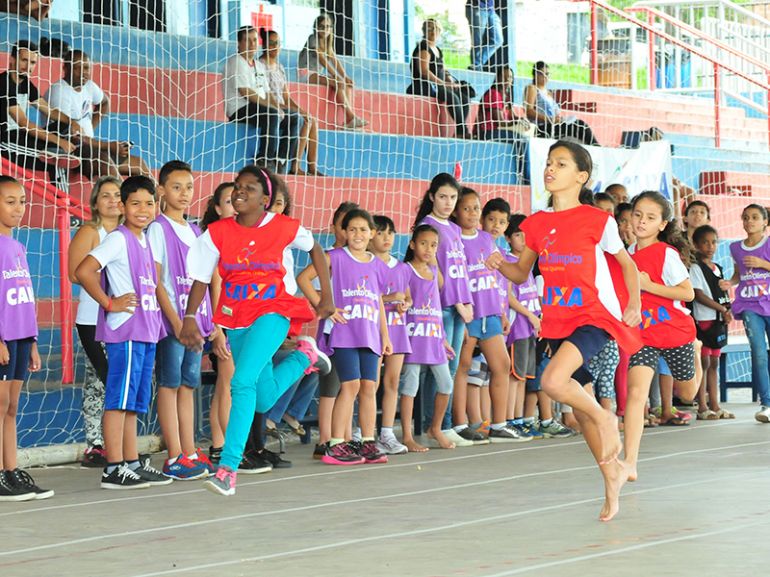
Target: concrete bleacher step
747, 184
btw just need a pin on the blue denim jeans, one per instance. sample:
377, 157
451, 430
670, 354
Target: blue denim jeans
486, 34
757, 327
297, 399
454, 327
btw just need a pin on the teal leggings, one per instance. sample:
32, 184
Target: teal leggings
256, 385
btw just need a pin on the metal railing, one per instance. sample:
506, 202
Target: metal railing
717, 63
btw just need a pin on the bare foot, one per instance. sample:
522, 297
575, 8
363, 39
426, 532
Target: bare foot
633, 474
415, 447
441, 439
608, 431
298, 172
615, 476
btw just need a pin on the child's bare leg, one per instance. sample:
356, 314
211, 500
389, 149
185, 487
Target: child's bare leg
544, 405
112, 426
513, 390
557, 382
499, 363
169, 420
702, 402
393, 365
639, 379
473, 404
10, 403
325, 410
485, 400
367, 408
407, 412
440, 407
460, 393
342, 415
130, 450
186, 412
530, 405
712, 381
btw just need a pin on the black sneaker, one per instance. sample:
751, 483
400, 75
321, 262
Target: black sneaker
474, 436
24, 482
254, 465
273, 458
151, 475
10, 492
122, 478
320, 451
215, 454
94, 457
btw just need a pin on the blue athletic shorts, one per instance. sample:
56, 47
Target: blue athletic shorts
177, 365
589, 340
485, 328
129, 376
17, 368
355, 364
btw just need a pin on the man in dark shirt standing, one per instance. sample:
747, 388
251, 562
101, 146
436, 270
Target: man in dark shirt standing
22, 141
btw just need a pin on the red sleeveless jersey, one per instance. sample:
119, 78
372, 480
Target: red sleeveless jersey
252, 271
666, 323
581, 287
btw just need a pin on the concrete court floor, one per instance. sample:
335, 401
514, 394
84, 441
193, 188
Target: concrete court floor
701, 507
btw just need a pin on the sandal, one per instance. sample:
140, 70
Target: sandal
296, 427
723, 414
675, 422
650, 421
708, 415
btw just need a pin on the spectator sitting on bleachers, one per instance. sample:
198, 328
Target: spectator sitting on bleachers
21, 140
486, 31
497, 120
545, 112
82, 101
248, 99
291, 147
317, 56
429, 78
37, 9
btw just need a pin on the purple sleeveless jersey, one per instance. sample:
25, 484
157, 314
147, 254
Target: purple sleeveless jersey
483, 282
357, 289
526, 294
397, 280
753, 290
451, 263
17, 309
145, 324
424, 321
176, 255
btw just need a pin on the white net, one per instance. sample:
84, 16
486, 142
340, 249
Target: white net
165, 91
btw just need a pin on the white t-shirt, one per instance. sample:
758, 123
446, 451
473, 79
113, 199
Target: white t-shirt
203, 256
88, 308
239, 73
697, 278
112, 255
78, 104
158, 245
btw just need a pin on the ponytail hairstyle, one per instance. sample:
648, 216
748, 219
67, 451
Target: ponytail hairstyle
267, 180
464, 191
211, 214
426, 205
416, 232
582, 159
671, 234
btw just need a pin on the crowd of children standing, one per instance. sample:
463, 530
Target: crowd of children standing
494, 319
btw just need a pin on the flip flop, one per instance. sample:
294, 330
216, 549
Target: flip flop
675, 422
708, 415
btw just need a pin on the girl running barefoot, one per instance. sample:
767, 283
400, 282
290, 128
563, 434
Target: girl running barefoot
254, 306
581, 308
426, 333
668, 330
397, 302
751, 258
357, 336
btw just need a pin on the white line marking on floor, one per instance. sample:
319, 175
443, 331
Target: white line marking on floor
316, 506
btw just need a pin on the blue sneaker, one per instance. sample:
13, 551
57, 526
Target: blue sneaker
183, 469
530, 430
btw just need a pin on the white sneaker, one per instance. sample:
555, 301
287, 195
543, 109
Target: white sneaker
452, 436
506, 435
763, 415
391, 446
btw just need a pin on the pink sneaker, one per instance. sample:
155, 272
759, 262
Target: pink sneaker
318, 359
223, 482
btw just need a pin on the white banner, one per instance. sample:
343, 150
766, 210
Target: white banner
645, 168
